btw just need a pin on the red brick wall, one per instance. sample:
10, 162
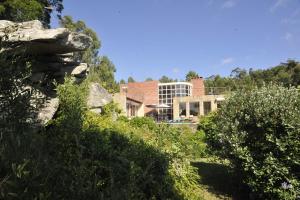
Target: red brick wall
147, 91
198, 87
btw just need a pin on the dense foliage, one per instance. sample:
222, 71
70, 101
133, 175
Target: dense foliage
104, 73
259, 132
82, 155
191, 75
20, 10
285, 74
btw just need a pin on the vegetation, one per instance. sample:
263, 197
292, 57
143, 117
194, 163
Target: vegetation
82, 155
101, 68
191, 75
285, 74
104, 73
90, 55
165, 79
258, 131
20, 10
130, 80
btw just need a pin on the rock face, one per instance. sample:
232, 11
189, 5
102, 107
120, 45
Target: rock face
98, 97
53, 51
32, 35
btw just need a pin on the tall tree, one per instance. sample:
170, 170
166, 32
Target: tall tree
122, 81
165, 79
104, 73
149, 79
89, 56
191, 75
130, 80
25, 10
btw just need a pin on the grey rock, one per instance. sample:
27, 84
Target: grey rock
48, 110
80, 71
53, 50
41, 41
98, 96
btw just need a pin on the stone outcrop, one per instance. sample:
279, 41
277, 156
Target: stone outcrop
52, 50
40, 41
98, 97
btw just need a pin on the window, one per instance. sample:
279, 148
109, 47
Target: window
182, 108
219, 104
194, 108
207, 107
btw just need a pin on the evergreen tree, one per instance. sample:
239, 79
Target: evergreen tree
130, 80
26, 10
191, 75
89, 56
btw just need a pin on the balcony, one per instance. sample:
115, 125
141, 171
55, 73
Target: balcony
217, 90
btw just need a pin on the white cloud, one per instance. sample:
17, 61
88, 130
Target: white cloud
278, 4
288, 36
227, 60
229, 4
175, 70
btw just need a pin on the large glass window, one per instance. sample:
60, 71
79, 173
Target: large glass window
194, 108
182, 108
166, 94
207, 107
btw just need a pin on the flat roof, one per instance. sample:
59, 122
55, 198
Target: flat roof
175, 83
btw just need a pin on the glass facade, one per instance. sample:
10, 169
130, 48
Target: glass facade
207, 107
194, 108
166, 93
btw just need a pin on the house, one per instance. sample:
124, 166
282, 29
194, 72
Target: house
169, 101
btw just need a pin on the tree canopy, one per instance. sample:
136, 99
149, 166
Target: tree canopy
149, 79
130, 80
286, 74
26, 10
191, 75
91, 55
165, 79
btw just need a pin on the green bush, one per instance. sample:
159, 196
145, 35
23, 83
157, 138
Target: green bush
82, 155
259, 132
139, 122
207, 124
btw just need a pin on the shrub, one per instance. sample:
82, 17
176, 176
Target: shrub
143, 122
207, 124
259, 131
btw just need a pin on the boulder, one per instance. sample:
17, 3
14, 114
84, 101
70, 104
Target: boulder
48, 110
98, 97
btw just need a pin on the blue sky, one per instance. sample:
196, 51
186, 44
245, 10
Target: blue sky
151, 38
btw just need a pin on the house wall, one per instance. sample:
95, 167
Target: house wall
147, 92
198, 87
122, 101
201, 100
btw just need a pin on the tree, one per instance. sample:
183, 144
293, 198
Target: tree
258, 131
149, 79
165, 79
122, 81
104, 73
191, 75
89, 56
130, 80
20, 10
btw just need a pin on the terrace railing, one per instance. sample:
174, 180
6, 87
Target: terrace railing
217, 90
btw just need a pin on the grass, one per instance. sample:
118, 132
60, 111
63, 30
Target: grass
218, 181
